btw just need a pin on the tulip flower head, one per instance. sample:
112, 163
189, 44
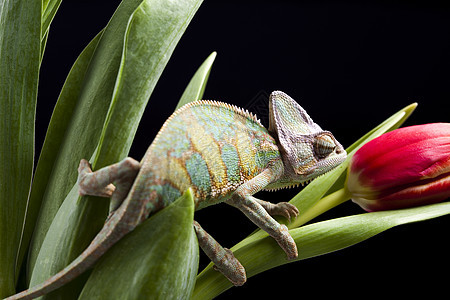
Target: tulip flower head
406, 167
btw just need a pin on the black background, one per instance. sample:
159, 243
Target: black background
349, 64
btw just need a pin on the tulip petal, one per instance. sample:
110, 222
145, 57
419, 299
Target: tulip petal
403, 168
421, 193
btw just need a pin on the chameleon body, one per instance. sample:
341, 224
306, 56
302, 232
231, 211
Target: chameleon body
225, 155
218, 151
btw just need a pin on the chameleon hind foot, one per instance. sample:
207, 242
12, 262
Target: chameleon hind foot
224, 260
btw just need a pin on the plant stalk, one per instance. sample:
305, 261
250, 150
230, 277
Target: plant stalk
326, 203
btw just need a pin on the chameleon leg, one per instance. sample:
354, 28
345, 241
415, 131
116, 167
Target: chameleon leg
223, 258
257, 214
242, 199
284, 209
99, 183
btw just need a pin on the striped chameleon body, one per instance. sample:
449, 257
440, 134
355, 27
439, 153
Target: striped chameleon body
225, 155
209, 146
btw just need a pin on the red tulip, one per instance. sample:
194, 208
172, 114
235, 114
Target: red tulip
406, 167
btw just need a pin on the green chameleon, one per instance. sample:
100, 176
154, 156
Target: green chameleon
225, 155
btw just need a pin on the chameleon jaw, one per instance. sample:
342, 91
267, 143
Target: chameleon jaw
289, 186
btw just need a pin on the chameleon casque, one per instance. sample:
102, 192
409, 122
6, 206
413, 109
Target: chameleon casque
225, 155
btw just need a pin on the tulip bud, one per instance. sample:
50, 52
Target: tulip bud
406, 167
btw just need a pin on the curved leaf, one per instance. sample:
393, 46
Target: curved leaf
49, 9
196, 87
158, 260
313, 240
80, 131
55, 137
20, 48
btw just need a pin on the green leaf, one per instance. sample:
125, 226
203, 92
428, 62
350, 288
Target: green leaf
43, 45
151, 33
313, 240
158, 260
20, 43
55, 137
89, 96
49, 9
196, 87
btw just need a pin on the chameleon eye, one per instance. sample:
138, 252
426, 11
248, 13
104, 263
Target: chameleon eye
323, 145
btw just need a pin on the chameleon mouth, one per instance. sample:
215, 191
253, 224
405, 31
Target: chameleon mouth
289, 186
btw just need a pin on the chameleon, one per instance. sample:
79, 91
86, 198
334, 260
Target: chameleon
224, 154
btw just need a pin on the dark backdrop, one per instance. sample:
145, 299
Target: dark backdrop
349, 64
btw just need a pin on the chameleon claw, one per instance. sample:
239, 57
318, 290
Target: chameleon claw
285, 209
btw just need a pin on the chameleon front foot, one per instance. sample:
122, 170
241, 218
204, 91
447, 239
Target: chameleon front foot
284, 209
258, 211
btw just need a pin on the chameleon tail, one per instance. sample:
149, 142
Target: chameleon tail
113, 231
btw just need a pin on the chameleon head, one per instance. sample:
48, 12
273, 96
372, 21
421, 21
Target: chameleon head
309, 150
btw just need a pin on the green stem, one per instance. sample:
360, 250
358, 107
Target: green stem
326, 203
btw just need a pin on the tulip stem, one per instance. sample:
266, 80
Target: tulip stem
321, 206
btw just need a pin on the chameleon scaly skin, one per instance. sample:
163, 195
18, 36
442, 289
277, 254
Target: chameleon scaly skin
225, 155
210, 146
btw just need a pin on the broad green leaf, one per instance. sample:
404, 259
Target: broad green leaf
308, 200
55, 136
158, 260
20, 43
77, 136
147, 47
196, 87
313, 240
